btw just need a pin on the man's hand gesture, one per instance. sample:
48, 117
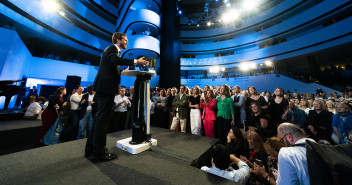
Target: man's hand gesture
142, 62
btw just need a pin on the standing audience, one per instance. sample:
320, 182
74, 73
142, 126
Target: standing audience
208, 106
225, 115
194, 105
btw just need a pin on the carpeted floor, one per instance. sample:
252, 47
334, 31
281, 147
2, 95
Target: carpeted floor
167, 163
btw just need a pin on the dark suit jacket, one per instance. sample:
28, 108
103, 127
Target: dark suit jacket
108, 77
85, 105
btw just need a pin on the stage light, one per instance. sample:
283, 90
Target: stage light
228, 5
244, 66
225, 1
50, 5
223, 69
62, 13
209, 24
180, 12
253, 66
268, 63
229, 16
197, 25
250, 4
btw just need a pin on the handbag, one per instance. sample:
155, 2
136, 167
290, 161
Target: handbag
52, 137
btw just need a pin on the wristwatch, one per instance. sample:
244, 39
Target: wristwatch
268, 178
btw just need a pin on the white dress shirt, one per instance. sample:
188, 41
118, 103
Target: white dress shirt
241, 175
33, 109
74, 101
122, 107
293, 167
90, 98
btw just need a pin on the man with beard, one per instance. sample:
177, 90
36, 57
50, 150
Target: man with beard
293, 167
106, 85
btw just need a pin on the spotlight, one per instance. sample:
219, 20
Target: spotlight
228, 4
197, 25
244, 66
50, 5
223, 69
250, 4
62, 13
209, 23
268, 63
253, 66
225, 1
180, 12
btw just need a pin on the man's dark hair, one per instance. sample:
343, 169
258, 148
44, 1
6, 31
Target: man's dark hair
78, 86
221, 156
116, 36
122, 87
90, 88
41, 98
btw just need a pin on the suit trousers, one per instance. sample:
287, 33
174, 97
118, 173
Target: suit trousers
175, 121
96, 141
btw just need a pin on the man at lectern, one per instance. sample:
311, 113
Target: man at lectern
106, 85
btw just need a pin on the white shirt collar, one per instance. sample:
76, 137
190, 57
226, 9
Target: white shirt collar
303, 140
118, 49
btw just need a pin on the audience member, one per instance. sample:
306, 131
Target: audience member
240, 112
225, 115
295, 115
75, 99
341, 124
318, 122
292, 161
236, 143
180, 105
50, 114
160, 110
121, 103
278, 108
272, 147
194, 102
34, 109
259, 122
208, 105
220, 162
86, 114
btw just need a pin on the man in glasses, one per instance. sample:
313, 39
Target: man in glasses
293, 168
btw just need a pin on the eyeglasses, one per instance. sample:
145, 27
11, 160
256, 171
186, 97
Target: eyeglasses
282, 139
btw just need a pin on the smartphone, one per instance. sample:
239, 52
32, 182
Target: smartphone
258, 162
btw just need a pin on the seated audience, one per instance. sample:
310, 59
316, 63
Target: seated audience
292, 160
34, 109
341, 124
296, 115
330, 105
208, 106
259, 122
236, 143
272, 147
304, 105
220, 162
257, 155
318, 122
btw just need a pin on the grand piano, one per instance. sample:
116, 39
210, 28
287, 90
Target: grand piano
8, 89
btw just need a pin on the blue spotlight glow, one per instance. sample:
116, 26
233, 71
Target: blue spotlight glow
180, 12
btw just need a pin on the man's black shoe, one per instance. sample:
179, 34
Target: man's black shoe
102, 157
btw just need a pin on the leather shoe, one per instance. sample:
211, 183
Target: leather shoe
103, 157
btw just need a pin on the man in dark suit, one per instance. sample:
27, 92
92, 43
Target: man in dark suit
106, 85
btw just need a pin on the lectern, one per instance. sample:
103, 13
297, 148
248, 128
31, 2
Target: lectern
141, 137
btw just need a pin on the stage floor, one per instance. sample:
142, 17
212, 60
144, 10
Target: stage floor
167, 163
